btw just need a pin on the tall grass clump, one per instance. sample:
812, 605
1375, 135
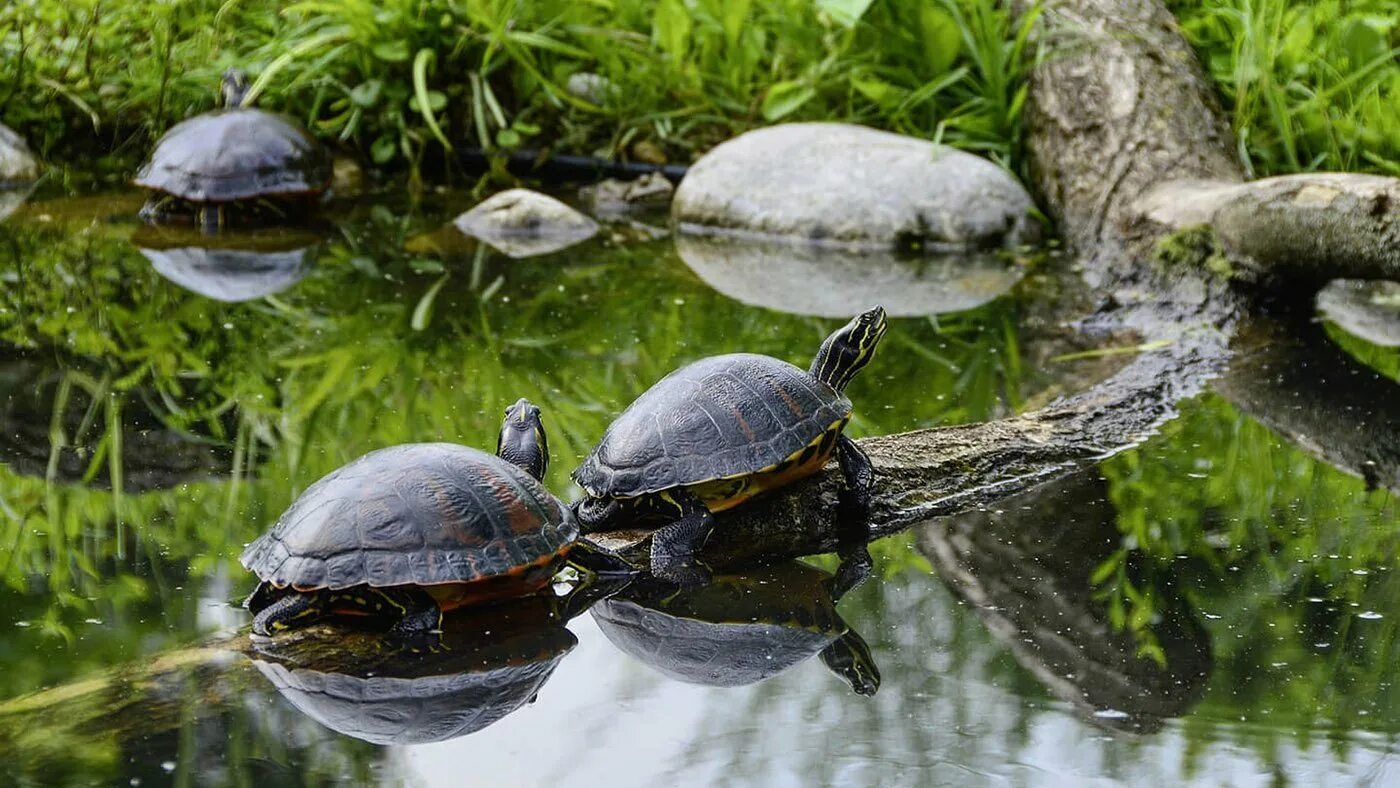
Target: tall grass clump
1309, 85
402, 80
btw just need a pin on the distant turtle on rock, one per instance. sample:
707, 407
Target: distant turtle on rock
236, 164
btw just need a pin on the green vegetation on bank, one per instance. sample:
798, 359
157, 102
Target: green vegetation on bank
1309, 85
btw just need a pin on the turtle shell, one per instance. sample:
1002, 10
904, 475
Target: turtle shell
738, 631
720, 417
420, 514
235, 154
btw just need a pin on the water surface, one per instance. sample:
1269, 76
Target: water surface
1212, 606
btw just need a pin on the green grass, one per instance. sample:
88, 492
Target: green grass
405, 79
1308, 85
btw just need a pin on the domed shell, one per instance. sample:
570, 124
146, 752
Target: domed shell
235, 154
719, 417
422, 514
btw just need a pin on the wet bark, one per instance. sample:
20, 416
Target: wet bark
1125, 140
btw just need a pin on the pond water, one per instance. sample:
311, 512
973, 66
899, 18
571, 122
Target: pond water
1213, 606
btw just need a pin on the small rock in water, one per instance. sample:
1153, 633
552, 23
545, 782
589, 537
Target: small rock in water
615, 197
590, 87
848, 185
1369, 309
17, 164
524, 223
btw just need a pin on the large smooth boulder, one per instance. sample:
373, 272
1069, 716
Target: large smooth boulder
826, 282
17, 164
849, 185
523, 223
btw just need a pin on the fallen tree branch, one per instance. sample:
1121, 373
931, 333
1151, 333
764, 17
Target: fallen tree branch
1301, 229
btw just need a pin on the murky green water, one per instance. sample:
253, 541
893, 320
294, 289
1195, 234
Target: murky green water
1213, 606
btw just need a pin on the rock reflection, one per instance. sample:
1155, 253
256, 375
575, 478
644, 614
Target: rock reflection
739, 629
490, 662
807, 279
11, 198
1026, 569
230, 267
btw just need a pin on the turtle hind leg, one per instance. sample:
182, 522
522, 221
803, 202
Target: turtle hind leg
675, 547
295, 609
849, 657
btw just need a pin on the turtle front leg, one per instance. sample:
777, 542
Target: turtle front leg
860, 477
674, 547
295, 609
853, 517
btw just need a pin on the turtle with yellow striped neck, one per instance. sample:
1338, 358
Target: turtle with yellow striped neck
715, 433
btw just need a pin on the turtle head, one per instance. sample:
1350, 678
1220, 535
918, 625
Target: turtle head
233, 87
849, 657
522, 440
849, 349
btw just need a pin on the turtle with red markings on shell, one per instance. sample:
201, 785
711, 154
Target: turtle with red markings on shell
404, 533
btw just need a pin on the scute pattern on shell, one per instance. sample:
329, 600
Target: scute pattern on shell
421, 513
235, 154
718, 417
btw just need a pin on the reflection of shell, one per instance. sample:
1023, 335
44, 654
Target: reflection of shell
806, 279
387, 710
1366, 309
227, 274
738, 630
716, 654
230, 266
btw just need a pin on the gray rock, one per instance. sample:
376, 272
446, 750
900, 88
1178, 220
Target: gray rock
594, 88
849, 185
17, 164
1366, 309
523, 223
830, 282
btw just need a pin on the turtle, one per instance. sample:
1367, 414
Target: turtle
493, 662
406, 532
715, 433
739, 629
267, 163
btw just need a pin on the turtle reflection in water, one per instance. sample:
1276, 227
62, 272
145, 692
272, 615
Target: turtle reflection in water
741, 629
493, 661
267, 166
232, 266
